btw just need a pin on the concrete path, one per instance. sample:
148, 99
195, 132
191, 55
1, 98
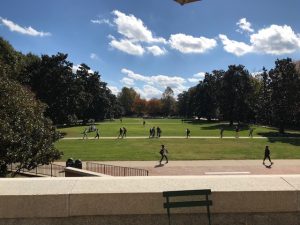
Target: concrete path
211, 167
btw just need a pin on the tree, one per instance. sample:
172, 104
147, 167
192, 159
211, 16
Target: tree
285, 93
139, 106
11, 61
263, 103
27, 137
126, 98
206, 98
154, 107
236, 91
168, 102
183, 100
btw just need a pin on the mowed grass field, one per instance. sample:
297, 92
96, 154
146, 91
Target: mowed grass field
169, 127
179, 149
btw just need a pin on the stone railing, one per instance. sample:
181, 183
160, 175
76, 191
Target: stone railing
237, 200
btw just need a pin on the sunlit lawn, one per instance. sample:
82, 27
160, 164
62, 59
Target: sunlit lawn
179, 149
169, 127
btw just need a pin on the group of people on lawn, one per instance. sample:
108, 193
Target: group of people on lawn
163, 151
157, 131
237, 132
152, 132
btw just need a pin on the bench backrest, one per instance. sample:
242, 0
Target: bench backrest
188, 203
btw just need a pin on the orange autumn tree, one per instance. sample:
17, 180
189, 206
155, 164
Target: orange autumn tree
139, 106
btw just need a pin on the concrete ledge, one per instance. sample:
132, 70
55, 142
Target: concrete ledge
108, 198
74, 172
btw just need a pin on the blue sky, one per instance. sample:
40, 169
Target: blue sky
152, 44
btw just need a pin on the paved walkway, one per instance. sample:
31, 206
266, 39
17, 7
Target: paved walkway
211, 167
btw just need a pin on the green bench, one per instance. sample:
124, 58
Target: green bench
195, 203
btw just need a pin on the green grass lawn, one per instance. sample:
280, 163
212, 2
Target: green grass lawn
179, 149
169, 127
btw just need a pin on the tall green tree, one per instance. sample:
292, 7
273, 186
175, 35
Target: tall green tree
126, 98
183, 100
263, 103
168, 102
236, 91
27, 137
285, 93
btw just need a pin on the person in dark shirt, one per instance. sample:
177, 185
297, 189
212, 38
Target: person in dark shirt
97, 134
221, 132
188, 132
163, 152
124, 132
237, 130
267, 155
120, 133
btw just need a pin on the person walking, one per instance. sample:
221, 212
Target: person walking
237, 130
163, 152
267, 155
188, 132
251, 132
85, 134
153, 132
97, 134
124, 132
158, 132
120, 132
150, 133
221, 132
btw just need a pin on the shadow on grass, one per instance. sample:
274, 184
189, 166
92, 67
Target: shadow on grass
226, 127
289, 138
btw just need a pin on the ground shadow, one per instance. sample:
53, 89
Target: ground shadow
159, 165
289, 138
268, 166
226, 127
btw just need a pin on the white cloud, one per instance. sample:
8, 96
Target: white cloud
193, 80
23, 30
94, 56
189, 44
127, 81
148, 92
160, 82
156, 50
114, 89
275, 40
102, 21
244, 25
235, 47
127, 46
136, 76
76, 67
257, 73
197, 77
133, 28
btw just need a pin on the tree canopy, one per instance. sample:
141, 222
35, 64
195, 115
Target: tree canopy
27, 136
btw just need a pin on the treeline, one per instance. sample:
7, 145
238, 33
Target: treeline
270, 98
69, 95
